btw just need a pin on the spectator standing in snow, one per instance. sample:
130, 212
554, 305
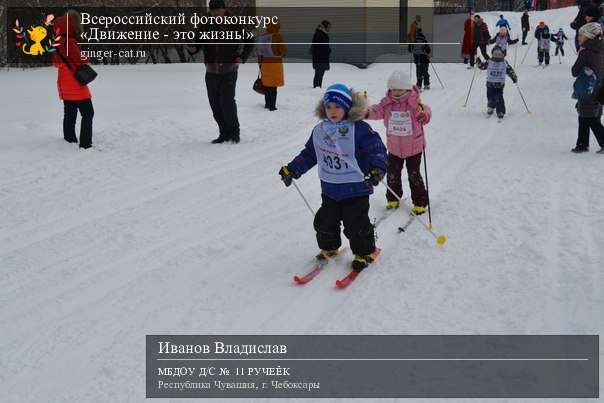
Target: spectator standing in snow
421, 58
525, 26
320, 52
480, 38
222, 63
271, 49
588, 70
466, 46
75, 96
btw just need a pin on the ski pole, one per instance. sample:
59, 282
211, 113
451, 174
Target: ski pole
470, 90
434, 68
527, 50
515, 53
303, 198
523, 101
427, 189
440, 239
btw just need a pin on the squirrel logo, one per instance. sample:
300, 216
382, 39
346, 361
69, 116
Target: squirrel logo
36, 35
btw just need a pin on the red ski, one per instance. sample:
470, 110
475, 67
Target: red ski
317, 268
345, 282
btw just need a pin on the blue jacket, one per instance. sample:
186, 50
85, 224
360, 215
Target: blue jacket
503, 23
370, 152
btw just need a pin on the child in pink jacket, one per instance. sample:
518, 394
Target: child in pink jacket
404, 115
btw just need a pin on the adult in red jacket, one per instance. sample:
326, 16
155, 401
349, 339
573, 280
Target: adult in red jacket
480, 39
466, 46
75, 96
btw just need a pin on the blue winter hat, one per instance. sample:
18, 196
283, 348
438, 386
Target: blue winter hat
338, 94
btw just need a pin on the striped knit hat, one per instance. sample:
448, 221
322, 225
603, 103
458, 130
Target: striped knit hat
338, 94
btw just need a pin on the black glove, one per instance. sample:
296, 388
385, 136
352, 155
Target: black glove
286, 175
375, 176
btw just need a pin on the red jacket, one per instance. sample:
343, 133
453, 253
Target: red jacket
69, 88
466, 47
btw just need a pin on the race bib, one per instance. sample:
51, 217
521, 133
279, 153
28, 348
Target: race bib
400, 124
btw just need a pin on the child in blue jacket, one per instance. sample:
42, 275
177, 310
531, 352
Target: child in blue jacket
351, 159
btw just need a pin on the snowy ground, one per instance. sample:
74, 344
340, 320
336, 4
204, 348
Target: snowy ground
161, 232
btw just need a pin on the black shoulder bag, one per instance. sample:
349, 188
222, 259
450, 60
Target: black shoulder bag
83, 73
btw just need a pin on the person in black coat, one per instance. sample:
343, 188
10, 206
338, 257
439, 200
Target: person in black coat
589, 11
525, 26
222, 63
588, 69
320, 52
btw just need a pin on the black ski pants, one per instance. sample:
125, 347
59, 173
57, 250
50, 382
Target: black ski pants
354, 213
495, 99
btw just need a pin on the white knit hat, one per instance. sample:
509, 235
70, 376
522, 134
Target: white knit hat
399, 80
591, 30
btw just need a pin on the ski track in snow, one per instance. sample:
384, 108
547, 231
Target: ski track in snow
159, 232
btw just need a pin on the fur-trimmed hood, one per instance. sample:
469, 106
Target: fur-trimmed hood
357, 111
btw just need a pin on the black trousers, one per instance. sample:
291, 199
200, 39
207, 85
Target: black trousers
270, 98
585, 124
421, 71
524, 34
543, 54
354, 213
495, 99
221, 94
559, 47
483, 50
318, 78
69, 121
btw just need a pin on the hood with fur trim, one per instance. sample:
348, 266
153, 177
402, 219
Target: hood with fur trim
356, 112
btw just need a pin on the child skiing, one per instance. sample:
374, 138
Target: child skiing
559, 38
502, 39
497, 67
351, 159
543, 43
404, 116
421, 58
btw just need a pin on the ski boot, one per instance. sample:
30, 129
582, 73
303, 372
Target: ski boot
392, 204
426, 87
500, 115
490, 111
361, 261
325, 255
419, 210
579, 149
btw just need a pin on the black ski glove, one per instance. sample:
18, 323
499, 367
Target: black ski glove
375, 176
286, 175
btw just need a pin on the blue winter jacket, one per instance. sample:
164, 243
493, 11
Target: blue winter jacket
370, 152
503, 23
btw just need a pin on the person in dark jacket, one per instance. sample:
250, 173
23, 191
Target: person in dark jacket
222, 62
76, 97
588, 69
320, 52
497, 68
524, 20
351, 159
480, 39
543, 37
503, 39
588, 12
421, 58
